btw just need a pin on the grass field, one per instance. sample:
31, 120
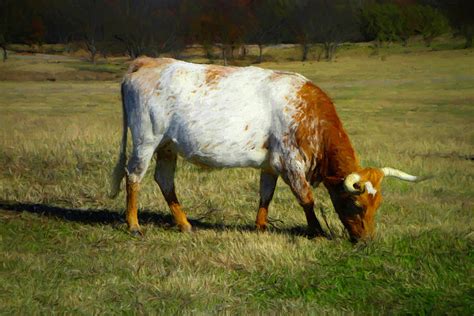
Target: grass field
64, 247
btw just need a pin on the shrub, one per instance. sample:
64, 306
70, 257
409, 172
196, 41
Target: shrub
381, 22
428, 22
389, 22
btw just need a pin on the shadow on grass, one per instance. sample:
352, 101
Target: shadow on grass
114, 218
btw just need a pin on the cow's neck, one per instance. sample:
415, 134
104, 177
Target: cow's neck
333, 155
340, 156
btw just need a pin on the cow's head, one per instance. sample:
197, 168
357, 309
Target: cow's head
357, 197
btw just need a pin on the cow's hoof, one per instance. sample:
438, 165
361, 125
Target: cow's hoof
136, 232
187, 228
261, 228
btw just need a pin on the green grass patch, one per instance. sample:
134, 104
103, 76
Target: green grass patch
113, 68
64, 247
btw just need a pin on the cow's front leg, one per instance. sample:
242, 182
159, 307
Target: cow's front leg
164, 176
267, 188
314, 227
302, 190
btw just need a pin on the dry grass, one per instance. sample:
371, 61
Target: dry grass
64, 246
41, 67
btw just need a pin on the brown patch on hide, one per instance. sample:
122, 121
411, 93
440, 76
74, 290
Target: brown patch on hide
246, 127
275, 76
306, 195
157, 88
319, 133
147, 62
215, 73
278, 74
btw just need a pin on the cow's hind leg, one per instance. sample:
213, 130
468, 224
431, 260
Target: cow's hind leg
302, 190
267, 188
137, 167
164, 176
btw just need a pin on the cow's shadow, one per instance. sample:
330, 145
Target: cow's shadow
116, 219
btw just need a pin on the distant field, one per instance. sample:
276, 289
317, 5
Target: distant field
64, 247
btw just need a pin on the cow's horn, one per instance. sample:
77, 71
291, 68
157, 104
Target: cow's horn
391, 172
350, 181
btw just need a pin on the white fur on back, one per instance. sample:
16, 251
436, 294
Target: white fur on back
228, 121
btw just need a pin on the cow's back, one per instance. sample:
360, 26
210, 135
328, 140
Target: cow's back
213, 115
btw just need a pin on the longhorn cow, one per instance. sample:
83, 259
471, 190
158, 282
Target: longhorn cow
278, 122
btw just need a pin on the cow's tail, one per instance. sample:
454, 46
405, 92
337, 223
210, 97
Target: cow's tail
119, 170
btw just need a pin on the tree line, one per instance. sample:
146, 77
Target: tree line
154, 27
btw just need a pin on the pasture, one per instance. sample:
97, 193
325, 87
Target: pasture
64, 246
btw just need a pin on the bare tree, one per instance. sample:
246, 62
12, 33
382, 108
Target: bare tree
220, 22
267, 18
85, 19
335, 24
460, 13
149, 27
92, 26
133, 25
10, 24
303, 25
